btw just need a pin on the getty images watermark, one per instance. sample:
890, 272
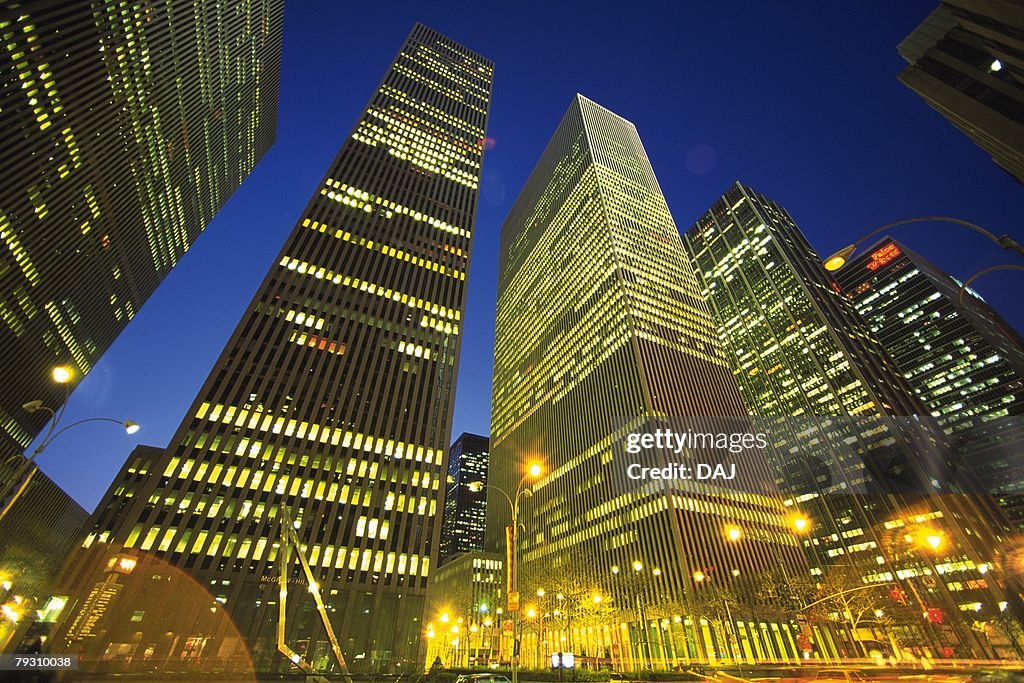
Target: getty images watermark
699, 453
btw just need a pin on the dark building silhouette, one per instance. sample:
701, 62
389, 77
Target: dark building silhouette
465, 501
966, 60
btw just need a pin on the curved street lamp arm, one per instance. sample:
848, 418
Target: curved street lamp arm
982, 273
49, 439
1006, 242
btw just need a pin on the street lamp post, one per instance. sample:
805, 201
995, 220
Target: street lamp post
533, 471
61, 375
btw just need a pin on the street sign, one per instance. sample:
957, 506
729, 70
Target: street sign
506, 627
513, 601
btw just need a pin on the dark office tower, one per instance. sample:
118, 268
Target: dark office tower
852, 446
124, 128
465, 501
963, 360
332, 400
601, 328
37, 532
967, 63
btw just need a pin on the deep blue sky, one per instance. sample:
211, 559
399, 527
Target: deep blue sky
798, 99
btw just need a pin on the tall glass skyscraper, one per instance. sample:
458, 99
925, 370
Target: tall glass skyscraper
333, 398
961, 357
124, 128
601, 328
853, 448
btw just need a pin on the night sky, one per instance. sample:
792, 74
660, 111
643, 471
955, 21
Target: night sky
798, 100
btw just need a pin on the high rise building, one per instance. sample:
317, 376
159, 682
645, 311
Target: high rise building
37, 531
465, 500
965, 61
124, 128
853, 448
601, 328
328, 414
964, 361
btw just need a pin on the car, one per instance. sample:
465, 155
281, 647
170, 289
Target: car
847, 675
482, 678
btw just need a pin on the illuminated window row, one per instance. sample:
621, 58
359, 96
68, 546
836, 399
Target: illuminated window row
424, 58
360, 199
300, 318
414, 350
386, 250
353, 467
430, 136
415, 153
319, 343
314, 432
369, 287
432, 111
240, 547
437, 87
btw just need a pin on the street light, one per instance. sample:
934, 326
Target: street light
839, 259
62, 375
638, 582
533, 471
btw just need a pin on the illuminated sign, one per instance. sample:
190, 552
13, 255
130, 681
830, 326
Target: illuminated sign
882, 256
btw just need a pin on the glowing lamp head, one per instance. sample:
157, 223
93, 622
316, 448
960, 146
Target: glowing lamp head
597, 598
444, 618
61, 374
699, 576
934, 541
615, 569
734, 533
801, 524
996, 65
131, 427
535, 470
839, 259
637, 565
531, 613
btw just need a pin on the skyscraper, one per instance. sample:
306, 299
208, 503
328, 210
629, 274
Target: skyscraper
965, 62
964, 361
36, 534
853, 447
600, 328
123, 130
465, 501
329, 411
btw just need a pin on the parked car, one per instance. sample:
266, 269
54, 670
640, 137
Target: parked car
845, 675
482, 678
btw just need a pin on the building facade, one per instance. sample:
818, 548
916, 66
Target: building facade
465, 500
37, 532
123, 130
464, 616
851, 450
602, 331
316, 450
966, 60
961, 357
